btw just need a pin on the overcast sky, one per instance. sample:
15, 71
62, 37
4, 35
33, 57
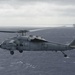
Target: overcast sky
37, 12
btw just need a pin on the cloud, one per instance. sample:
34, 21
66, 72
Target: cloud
36, 8
70, 2
37, 11
66, 2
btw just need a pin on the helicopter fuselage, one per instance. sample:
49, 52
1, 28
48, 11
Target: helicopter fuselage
29, 44
33, 43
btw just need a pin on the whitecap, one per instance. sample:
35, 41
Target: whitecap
64, 61
74, 62
28, 65
19, 62
1, 68
16, 63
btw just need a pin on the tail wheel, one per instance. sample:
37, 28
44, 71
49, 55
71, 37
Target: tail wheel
11, 52
21, 51
65, 55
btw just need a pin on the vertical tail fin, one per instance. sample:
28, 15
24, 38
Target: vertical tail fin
72, 44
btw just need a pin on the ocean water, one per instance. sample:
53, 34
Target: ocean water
40, 62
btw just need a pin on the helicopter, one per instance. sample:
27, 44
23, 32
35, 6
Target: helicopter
32, 43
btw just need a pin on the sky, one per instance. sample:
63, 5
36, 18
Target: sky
42, 13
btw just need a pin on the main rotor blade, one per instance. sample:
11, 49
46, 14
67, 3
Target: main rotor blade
19, 31
8, 31
24, 31
38, 29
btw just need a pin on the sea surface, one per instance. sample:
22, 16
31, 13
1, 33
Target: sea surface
40, 62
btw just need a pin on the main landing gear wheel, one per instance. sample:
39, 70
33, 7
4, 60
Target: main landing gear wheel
21, 51
11, 52
64, 54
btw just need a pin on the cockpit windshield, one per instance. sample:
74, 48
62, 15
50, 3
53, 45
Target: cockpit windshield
10, 40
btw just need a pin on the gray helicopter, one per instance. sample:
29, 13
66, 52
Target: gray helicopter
33, 43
